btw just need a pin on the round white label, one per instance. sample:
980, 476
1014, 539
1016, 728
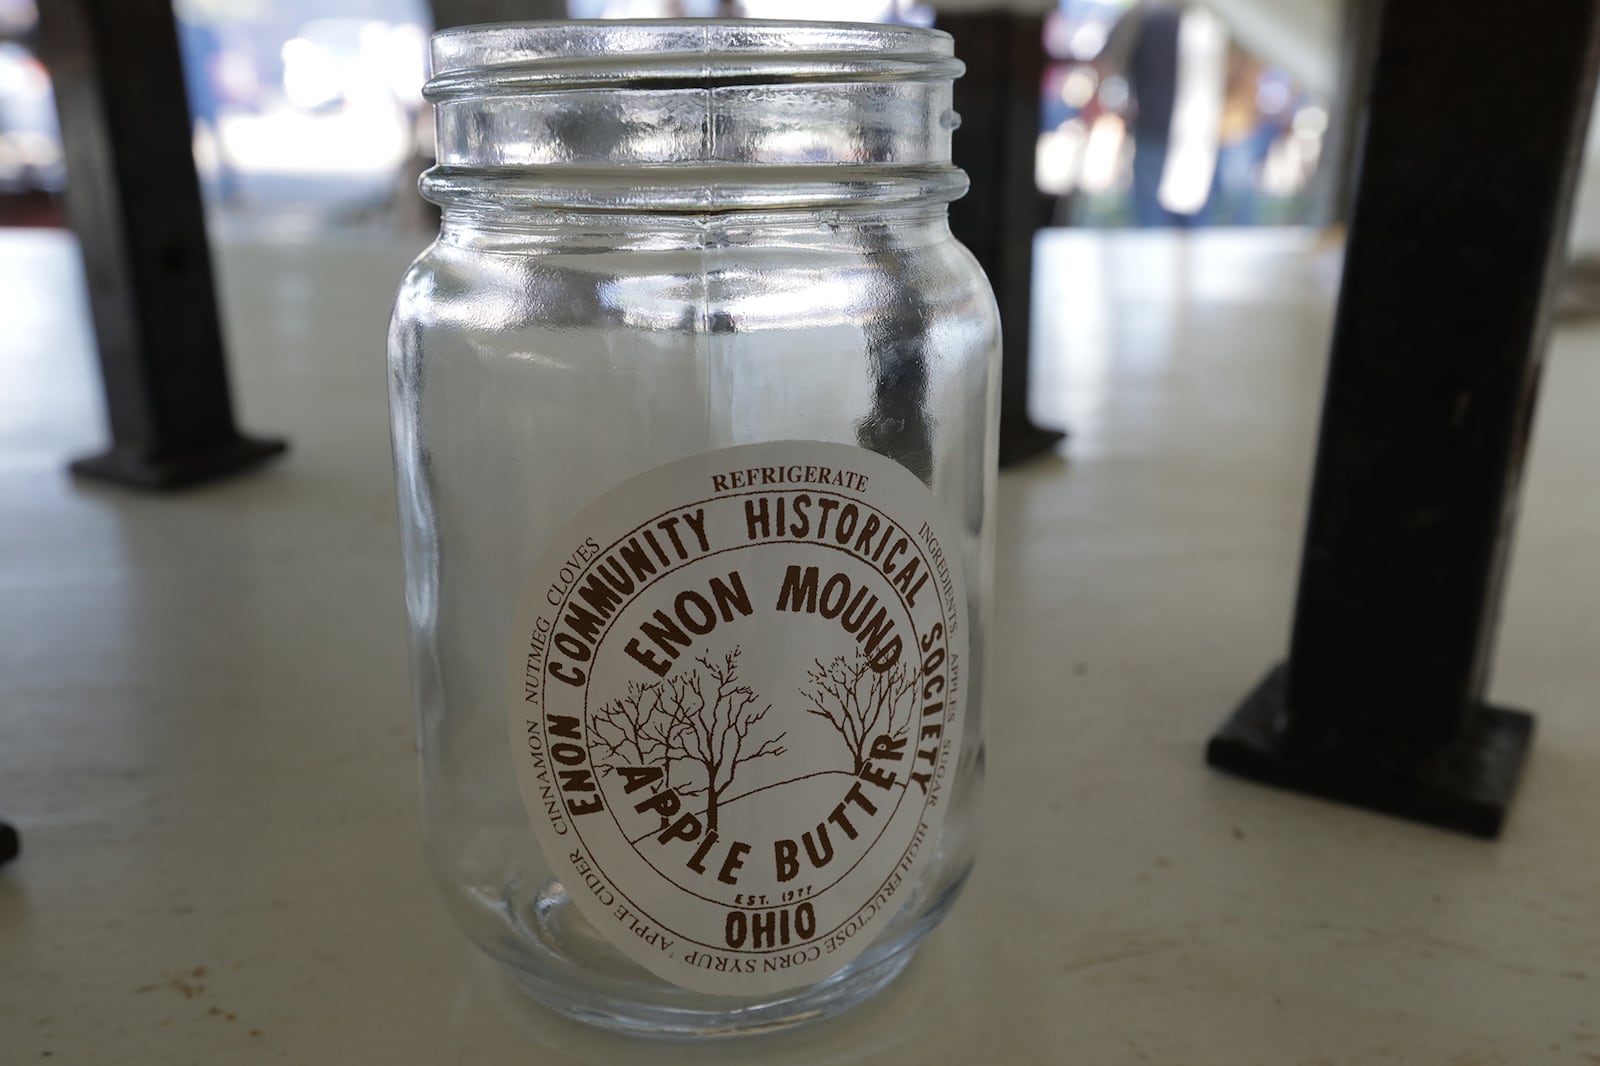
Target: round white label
737, 703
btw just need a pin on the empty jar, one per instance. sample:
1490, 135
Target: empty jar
694, 430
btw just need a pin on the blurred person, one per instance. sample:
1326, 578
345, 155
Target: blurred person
31, 160
1173, 59
202, 50
1244, 138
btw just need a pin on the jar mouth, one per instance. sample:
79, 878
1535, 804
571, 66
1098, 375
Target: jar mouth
696, 115
686, 53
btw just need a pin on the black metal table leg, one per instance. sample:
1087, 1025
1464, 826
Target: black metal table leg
998, 100
1474, 134
134, 200
10, 843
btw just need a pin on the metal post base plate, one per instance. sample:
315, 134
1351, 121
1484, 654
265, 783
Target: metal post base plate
127, 467
10, 843
1022, 440
1467, 788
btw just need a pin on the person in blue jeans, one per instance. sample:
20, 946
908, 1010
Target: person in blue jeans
1151, 70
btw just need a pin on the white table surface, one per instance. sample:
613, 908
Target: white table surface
206, 742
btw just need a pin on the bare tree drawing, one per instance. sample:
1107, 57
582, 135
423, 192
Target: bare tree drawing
631, 731
859, 702
711, 722
700, 718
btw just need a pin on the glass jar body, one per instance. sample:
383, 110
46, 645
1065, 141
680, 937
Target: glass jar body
532, 366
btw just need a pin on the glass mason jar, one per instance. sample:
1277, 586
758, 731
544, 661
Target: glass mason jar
694, 405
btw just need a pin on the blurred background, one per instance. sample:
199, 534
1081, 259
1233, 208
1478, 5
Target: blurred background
309, 114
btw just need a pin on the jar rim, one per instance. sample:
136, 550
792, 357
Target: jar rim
533, 56
698, 116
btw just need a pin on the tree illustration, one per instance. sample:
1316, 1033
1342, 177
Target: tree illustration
711, 721
631, 731
699, 719
859, 702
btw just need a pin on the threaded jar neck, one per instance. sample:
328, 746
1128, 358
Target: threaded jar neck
692, 115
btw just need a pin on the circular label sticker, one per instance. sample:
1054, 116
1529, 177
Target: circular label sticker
737, 703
